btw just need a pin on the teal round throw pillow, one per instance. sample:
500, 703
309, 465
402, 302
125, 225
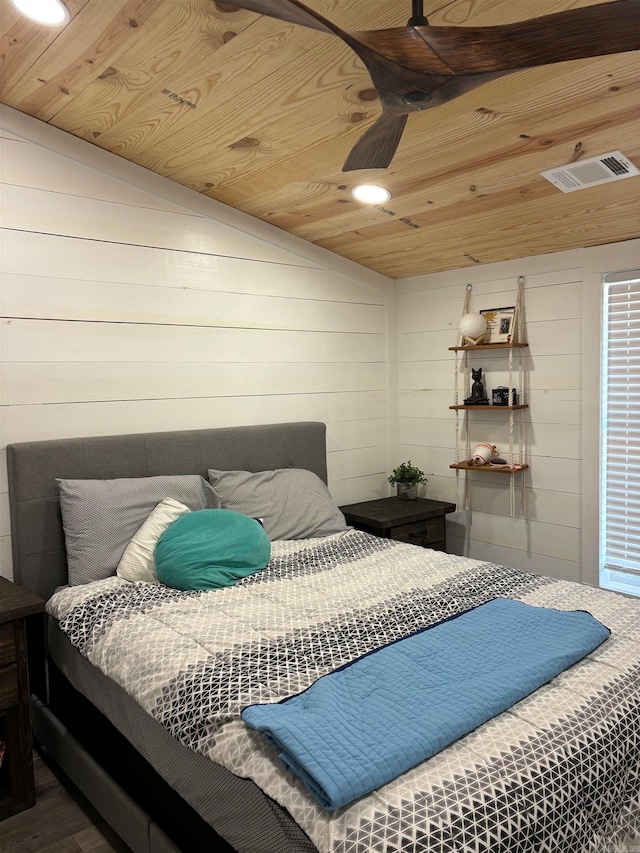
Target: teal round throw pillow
211, 548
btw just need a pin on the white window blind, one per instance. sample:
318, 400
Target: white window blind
620, 448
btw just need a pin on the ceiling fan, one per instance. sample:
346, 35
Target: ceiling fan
418, 67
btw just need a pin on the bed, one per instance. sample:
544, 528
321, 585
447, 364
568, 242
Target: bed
150, 688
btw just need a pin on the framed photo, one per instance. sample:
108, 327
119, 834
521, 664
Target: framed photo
501, 325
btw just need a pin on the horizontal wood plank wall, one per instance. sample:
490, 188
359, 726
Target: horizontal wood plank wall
548, 537
124, 311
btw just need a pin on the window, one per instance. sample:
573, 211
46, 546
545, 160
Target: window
620, 443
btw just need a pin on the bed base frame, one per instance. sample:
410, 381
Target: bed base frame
123, 788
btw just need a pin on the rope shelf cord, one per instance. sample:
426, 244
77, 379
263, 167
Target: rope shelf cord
456, 369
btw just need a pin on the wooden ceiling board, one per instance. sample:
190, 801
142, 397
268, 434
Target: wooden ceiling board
260, 114
256, 176
609, 215
23, 41
469, 149
514, 201
296, 95
446, 183
176, 54
275, 70
81, 51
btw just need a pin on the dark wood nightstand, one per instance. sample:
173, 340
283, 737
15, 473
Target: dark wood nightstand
17, 789
419, 522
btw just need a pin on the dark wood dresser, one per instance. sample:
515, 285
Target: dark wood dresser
419, 522
17, 790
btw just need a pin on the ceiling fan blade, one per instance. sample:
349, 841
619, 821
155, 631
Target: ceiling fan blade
417, 67
376, 147
573, 34
291, 11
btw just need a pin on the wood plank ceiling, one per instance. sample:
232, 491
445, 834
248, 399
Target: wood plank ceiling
260, 114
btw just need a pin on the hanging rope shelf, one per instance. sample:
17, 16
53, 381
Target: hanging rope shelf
470, 340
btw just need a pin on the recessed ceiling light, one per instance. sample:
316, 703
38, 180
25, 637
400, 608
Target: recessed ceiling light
371, 194
51, 12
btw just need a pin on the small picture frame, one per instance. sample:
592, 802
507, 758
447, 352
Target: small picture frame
501, 325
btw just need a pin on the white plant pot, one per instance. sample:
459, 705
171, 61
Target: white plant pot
406, 492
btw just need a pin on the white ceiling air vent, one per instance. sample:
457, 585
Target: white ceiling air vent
588, 173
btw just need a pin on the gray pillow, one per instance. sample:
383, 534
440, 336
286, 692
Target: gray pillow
292, 503
100, 517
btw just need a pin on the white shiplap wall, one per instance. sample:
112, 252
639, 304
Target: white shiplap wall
130, 304
557, 534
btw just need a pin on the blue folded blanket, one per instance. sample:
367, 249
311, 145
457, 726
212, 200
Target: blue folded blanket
366, 723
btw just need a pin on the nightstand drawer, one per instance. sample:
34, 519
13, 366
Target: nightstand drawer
420, 532
8, 651
8, 687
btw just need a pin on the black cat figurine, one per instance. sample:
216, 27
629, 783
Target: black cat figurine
478, 396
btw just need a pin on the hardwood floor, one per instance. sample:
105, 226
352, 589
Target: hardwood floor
62, 821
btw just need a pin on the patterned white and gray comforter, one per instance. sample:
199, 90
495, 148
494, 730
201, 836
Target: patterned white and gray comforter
556, 773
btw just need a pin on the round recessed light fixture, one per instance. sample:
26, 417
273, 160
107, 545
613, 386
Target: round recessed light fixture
51, 12
371, 194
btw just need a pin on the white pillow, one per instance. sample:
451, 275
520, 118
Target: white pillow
138, 563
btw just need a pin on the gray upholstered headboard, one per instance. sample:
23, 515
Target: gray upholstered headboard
39, 557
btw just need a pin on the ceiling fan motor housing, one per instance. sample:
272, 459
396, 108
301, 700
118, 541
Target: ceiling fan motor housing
416, 98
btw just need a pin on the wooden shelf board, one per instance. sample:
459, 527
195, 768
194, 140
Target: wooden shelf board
495, 469
491, 406
489, 346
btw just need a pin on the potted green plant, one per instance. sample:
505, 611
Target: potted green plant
406, 478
